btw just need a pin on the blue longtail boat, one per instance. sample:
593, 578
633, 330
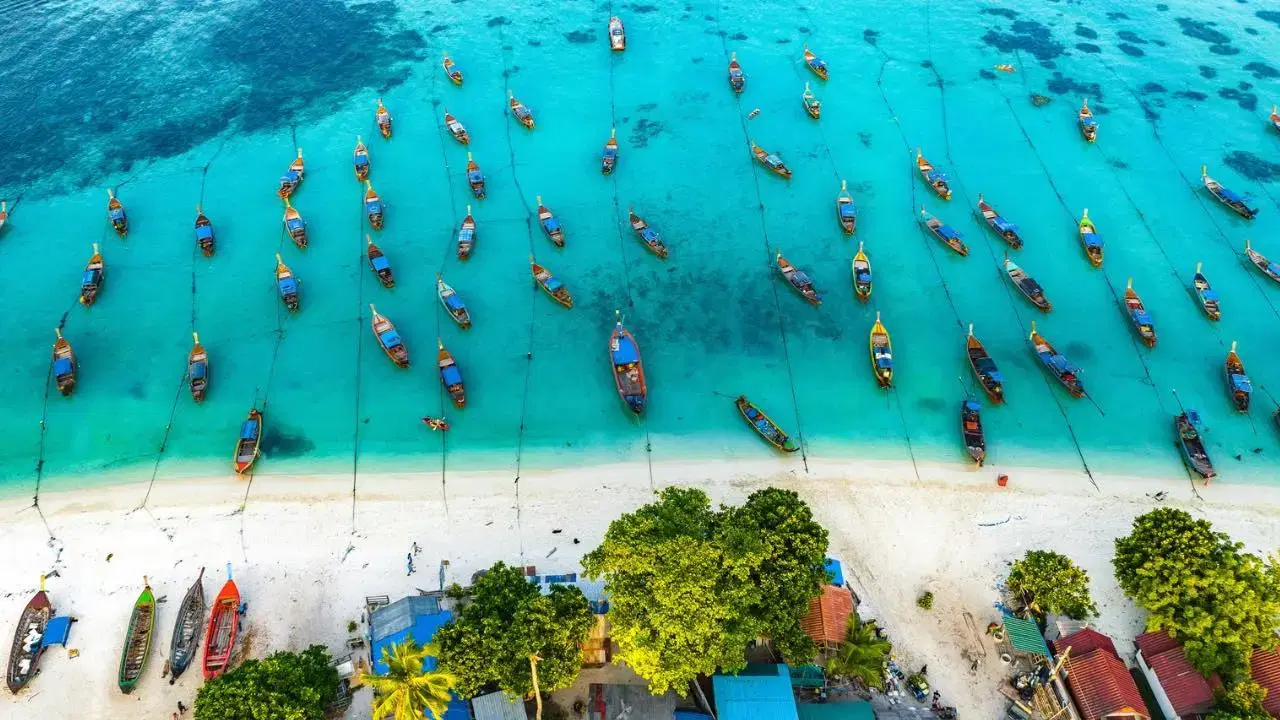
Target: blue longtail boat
628, 368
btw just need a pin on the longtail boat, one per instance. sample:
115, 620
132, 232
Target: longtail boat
550, 284
248, 444
451, 69
4, 213
186, 629
550, 225
764, 426
1138, 316
812, 105
287, 284
292, 178
65, 366
452, 303
520, 111
24, 654
1260, 261
450, 376
95, 275
935, 179
1005, 229
475, 178
383, 118
881, 349
628, 368
204, 233
220, 633
1057, 363
799, 281
373, 206
1238, 385
771, 161
946, 234
1090, 240
360, 159
984, 368
737, 80
1186, 430
115, 213
846, 211
617, 34
388, 338
1088, 125
436, 424
295, 225
1207, 295
975, 441
137, 640
197, 369
1274, 118
815, 64
1026, 285
466, 236
379, 263
1004, 67
609, 158
1238, 203
861, 275
456, 128
647, 235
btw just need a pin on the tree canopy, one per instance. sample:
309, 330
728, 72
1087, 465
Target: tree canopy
1049, 582
1240, 701
1217, 600
507, 621
689, 587
283, 686
408, 691
862, 655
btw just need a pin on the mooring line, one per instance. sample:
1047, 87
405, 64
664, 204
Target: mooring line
355, 436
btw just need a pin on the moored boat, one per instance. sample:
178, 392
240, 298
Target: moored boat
1090, 240
1239, 388
286, 284
95, 275
388, 339
861, 275
382, 117
435, 423
65, 367
1187, 432
617, 34
466, 235
204, 233
295, 225
28, 646
1002, 227
975, 441
197, 369
846, 211
934, 178
764, 425
360, 160
945, 234
116, 214
984, 368
292, 178
1239, 204
1057, 363
4, 213
770, 161
373, 206
450, 376
1141, 320
220, 633
815, 64
1026, 285
379, 263
186, 629
1274, 118
647, 235
137, 639
1260, 261
737, 80
550, 225
452, 303
247, 446
609, 157
628, 368
451, 69
799, 281
1207, 295
812, 105
881, 348
1088, 125
550, 284
520, 111
456, 128
475, 178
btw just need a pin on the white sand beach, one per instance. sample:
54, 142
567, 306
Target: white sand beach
307, 550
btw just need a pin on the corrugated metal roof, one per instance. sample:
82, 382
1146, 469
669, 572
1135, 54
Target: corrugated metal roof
1154, 643
1266, 672
755, 695
418, 617
498, 706
628, 702
1189, 692
828, 617
1102, 686
1083, 641
1024, 636
860, 710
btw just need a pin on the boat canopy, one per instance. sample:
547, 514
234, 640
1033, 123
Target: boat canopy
751, 412
848, 210
1060, 363
362, 160
1004, 226
1032, 286
199, 370
204, 232
1141, 317
972, 405
290, 177
288, 286
475, 176
249, 430
1193, 417
454, 303
773, 160
295, 224
649, 234
373, 206
1092, 240
553, 284
862, 274
884, 360
936, 176
380, 263
62, 366
466, 234
521, 111
1089, 122
1209, 295
1273, 268
1231, 196
949, 232
1240, 383
390, 338
451, 375
625, 353
610, 151
551, 224
799, 279
90, 277
818, 63
117, 213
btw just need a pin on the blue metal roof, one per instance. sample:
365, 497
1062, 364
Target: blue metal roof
760, 692
835, 572
858, 710
417, 617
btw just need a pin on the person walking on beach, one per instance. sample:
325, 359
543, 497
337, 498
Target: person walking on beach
416, 550
409, 561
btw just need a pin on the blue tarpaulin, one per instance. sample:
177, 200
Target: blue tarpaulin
451, 375
288, 286
1004, 225
453, 302
835, 573
62, 366
390, 338
417, 617
380, 263
1241, 383
847, 210
625, 353
56, 631
249, 430
204, 232
199, 370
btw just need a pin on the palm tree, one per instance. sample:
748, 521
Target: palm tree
408, 691
862, 654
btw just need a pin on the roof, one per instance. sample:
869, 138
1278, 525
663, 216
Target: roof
760, 692
1082, 641
1189, 692
859, 710
1102, 686
416, 616
827, 620
594, 591
611, 701
498, 706
1024, 636
1154, 643
1265, 669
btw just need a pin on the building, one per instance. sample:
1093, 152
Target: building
611, 701
828, 617
1180, 690
759, 692
1098, 679
597, 651
1265, 668
417, 617
498, 706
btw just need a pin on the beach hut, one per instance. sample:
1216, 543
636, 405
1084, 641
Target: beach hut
609, 701
759, 692
498, 706
1265, 668
827, 619
597, 651
1023, 636
1181, 692
417, 617
1099, 681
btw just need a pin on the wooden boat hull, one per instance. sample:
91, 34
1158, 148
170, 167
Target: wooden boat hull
862, 283
617, 35
137, 641
380, 266
764, 426
452, 72
975, 441
847, 219
66, 371
1090, 243
799, 282
551, 286
198, 372
453, 305
24, 660
204, 236
985, 370
248, 446
456, 129
117, 217
1139, 319
628, 370
1209, 302
1231, 201
95, 277
880, 346
186, 628
812, 107
451, 378
737, 80
296, 227
1239, 389
648, 237
550, 226
1057, 365
1262, 263
815, 65
948, 236
936, 181
1191, 446
388, 339
1026, 285
1004, 229
466, 238
220, 633
475, 179
777, 168
521, 113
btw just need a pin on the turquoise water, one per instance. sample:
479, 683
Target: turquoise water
203, 104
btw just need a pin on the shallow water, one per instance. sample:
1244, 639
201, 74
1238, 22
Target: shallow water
206, 103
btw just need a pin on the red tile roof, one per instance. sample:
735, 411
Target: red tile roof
828, 616
1189, 692
1082, 641
1102, 686
1154, 643
1266, 672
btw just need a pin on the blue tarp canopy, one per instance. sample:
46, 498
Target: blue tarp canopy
380, 263
1092, 240
390, 338
884, 361
848, 210
1142, 317
249, 430
373, 206
862, 274
972, 405
554, 284
649, 234
417, 617
626, 352
362, 160
90, 277
1241, 383
204, 232
1209, 294
800, 279
551, 224
57, 631
295, 224
199, 371
610, 152
451, 375
1060, 363
288, 286
773, 160
1231, 196
1273, 268
453, 302
475, 176
290, 177
936, 176
62, 366
995, 374
117, 213
1089, 122
949, 232
466, 235
1004, 225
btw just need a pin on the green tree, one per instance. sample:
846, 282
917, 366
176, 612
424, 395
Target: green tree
408, 691
1201, 586
283, 686
508, 628
862, 655
1049, 582
690, 587
1240, 701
